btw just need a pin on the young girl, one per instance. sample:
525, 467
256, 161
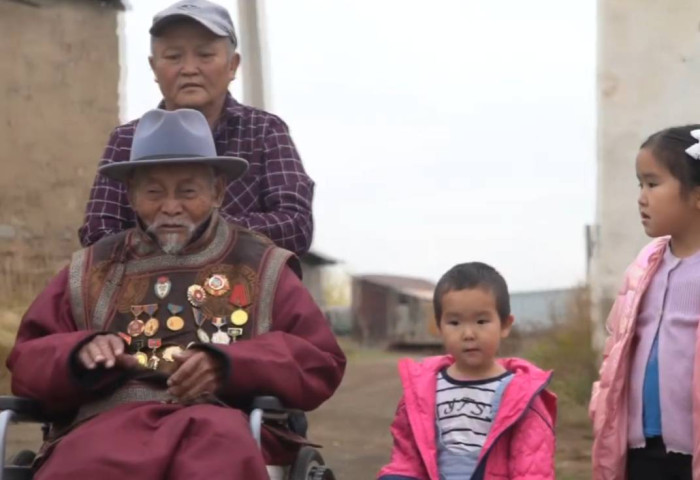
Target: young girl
469, 415
646, 406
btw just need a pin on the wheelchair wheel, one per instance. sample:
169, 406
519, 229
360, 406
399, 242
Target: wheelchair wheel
23, 458
309, 465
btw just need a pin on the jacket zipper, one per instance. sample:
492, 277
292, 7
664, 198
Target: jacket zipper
522, 414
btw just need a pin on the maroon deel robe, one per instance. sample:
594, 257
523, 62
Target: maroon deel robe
298, 360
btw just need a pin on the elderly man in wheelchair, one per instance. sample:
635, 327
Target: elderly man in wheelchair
149, 352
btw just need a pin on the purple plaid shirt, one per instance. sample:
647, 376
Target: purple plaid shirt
273, 198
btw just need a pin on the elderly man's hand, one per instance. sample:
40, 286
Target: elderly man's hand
198, 373
106, 350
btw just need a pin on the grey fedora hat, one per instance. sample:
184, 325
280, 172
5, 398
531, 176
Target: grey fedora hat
212, 16
174, 137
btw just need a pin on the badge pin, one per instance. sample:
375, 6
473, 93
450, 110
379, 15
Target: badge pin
217, 285
142, 358
162, 287
168, 353
234, 333
221, 338
196, 295
151, 327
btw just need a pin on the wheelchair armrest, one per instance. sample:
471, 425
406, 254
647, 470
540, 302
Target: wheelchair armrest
268, 403
25, 409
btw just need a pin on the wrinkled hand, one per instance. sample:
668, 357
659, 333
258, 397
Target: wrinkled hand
198, 373
105, 350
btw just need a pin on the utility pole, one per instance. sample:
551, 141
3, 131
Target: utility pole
254, 54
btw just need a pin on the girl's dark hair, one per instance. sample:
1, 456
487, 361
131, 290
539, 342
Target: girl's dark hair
473, 275
668, 147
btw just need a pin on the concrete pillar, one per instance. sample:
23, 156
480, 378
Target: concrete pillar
648, 79
254, 56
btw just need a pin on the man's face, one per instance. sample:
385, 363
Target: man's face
193, 67
172, 201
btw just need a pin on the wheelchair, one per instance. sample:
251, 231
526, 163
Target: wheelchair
308, 464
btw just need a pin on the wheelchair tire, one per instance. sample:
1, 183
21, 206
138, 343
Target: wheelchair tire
321, 473
308, 461
23, 458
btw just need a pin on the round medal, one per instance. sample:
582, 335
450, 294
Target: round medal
168, 353
202, 336
196, 295
142, 358
239, 317
217, 285
151, 327
135, 328
175, 323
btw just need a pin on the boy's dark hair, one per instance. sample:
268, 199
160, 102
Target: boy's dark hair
473, 275
668, 146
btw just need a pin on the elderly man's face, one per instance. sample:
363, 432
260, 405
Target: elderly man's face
193, 67
172, 201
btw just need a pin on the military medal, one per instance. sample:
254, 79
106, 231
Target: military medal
234, 333
175, 322
196, 295
135, 327
217, 285
140, 357
153, 344
239, 298
162, 287
199, 320
125, 337
239, 317
168, 353
219, 336
152, 324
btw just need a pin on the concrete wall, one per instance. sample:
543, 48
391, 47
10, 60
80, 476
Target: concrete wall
648, 79
59, 74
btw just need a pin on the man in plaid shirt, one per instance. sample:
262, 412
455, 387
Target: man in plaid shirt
194, 59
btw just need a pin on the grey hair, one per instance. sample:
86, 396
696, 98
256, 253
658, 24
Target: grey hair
230, 46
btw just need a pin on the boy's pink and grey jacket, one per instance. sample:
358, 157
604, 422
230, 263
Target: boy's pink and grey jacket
519, 446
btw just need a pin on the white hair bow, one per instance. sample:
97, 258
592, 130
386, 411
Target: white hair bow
694, 150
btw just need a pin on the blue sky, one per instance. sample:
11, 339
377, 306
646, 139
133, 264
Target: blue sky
437, 132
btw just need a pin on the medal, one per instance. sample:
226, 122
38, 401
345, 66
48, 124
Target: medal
162, 287
219, 336
168, 353
152, 324
174, 323
153, 344
234, 333
217, 285
125, 337
135, 327
196, 295
140, 357
239, 296
239, 317
203, 336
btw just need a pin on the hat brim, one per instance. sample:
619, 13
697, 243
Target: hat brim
232, 167
162, 23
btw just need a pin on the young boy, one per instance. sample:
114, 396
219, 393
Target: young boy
467, 414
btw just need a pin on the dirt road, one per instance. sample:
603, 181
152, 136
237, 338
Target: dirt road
354, 425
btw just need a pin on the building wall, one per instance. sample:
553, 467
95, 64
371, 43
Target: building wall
648, 79
58, 103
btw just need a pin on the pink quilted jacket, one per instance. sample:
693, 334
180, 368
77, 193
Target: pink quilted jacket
519, 446
609, 405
